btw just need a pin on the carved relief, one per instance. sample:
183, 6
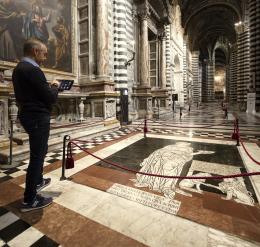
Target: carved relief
110, 108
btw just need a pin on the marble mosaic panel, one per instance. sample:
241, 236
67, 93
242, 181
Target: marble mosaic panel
218, 203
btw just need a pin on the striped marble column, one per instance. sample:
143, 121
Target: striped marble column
210, 81
169, 78
195, 72
123, 41
204, 82
233, 75
185, 77
243, 64
254, 13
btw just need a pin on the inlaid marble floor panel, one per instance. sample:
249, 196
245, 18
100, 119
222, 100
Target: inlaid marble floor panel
101, 205
206, 201
99, 200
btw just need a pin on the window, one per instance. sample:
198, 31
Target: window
153, 63
83, 17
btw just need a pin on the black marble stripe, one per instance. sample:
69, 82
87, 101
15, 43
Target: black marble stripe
5, 178
13, 230
44, 242
3, 211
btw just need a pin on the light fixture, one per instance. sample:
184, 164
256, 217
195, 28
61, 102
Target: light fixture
128, 62
238, 23
132, 44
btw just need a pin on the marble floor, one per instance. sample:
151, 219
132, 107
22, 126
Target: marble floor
102, 205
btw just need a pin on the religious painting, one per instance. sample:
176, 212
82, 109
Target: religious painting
46, 20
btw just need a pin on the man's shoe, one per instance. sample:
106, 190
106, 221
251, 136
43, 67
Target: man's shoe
38, 202
45, 182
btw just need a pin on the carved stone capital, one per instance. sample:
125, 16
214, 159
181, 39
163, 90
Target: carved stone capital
143, 11
161, 33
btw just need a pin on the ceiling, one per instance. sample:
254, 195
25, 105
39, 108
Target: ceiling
204, 21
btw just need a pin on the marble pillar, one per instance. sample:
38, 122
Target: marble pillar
102, 88
144, 47
102, 39
143, 90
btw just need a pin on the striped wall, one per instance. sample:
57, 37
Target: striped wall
210, 80
204, 83
185, 76
243, 64
196, 76
233, 75
254, 15
123, 35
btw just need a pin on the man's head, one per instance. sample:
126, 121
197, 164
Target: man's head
36, 50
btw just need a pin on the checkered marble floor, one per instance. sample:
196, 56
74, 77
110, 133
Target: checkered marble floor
16, 232
13, 230
206, 121
56, 155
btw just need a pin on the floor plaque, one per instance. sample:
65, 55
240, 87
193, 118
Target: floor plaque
146, 198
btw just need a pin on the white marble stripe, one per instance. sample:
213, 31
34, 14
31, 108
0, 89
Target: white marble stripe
218, 238
251, 166
2, 243
200, 140
7, 219
131, 219
26, 238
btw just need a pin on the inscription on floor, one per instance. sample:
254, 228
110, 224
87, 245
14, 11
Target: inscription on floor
146, 198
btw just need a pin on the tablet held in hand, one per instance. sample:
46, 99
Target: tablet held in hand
65, 84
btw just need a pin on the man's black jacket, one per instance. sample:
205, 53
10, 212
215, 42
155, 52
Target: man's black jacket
33, 93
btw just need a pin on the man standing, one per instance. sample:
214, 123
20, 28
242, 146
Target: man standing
34, 97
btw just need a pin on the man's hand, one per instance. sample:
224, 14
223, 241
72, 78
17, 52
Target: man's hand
55, 83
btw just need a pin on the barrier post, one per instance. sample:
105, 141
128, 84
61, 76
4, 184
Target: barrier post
145, 127
180, 112
237, 129
65, 139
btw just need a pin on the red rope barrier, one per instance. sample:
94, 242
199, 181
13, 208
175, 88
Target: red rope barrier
164, 176
236, 136
249, 155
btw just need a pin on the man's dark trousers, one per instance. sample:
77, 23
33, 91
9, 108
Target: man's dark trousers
37, 125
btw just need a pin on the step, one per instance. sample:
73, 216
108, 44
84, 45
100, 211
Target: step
23, 138
21, 152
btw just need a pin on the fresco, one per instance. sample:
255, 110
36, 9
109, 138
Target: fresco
46, 20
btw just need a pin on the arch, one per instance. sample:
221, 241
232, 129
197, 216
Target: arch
197, 10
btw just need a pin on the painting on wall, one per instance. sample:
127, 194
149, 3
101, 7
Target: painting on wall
46, 20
